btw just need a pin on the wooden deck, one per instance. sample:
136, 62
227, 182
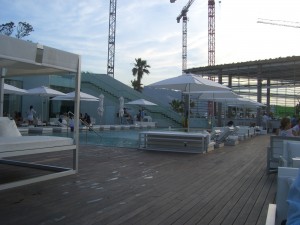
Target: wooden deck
127, 186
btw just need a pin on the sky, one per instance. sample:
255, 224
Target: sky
148, 29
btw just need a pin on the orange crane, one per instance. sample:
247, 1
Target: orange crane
284, 23
211, 31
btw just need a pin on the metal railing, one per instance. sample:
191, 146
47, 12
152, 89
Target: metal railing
88, 126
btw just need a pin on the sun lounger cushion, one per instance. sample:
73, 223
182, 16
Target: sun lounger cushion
32, 142
8, 128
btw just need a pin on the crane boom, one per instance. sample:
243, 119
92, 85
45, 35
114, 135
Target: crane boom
280, 23
184, 10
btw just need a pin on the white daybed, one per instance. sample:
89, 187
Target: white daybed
23, 58
13, 144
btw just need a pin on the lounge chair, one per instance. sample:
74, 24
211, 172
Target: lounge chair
275, 151
13, 144
290, 154
278, 212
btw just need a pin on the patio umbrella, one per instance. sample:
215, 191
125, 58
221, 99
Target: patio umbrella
121, 109
100, 109
140, 102
71, 96
189, 83
219, 96
9, 89
44, 92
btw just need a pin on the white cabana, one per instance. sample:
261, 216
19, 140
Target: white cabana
24, 58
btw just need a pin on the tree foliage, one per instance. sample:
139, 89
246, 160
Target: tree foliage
177, 105
140, 67
22, 30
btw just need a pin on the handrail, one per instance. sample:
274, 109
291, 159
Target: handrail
90, 128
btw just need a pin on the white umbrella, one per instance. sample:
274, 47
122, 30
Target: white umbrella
121, 109
189, 83
140, 102
44, 92
9, 89
71, 96
218, 96
100, 109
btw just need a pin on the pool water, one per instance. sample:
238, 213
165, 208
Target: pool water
108, 138
111, 138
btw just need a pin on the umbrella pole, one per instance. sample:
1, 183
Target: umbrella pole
3, 72
188, 119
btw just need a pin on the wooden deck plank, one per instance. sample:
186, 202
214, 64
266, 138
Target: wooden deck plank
127, 186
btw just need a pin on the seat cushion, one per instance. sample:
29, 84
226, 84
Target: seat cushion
8, 128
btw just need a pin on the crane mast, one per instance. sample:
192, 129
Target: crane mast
111, 38
211, 32
183, 15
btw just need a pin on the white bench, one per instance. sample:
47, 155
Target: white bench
173, 141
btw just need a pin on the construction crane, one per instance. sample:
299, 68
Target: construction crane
183, 15
284, 23
111, 38
211, 31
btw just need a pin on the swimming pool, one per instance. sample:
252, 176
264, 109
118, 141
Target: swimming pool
108, 138
111, 138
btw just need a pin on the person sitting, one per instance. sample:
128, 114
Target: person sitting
128, 116
285, 128
18, 118
87, 119
230, 123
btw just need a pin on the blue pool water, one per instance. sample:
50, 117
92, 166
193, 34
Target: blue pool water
108, 138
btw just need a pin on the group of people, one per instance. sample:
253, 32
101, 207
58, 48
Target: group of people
287, 129
130, 119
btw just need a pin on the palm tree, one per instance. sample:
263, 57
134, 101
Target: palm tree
140, 67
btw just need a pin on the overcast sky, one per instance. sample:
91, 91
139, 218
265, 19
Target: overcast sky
148, 29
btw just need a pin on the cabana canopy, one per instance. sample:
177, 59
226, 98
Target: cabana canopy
21, 58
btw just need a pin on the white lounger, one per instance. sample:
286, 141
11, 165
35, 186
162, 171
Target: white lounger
174, 141
12, 144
